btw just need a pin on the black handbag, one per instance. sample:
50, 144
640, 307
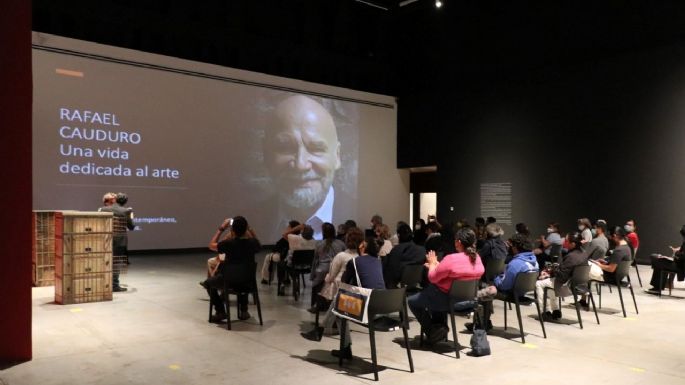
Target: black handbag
479, 343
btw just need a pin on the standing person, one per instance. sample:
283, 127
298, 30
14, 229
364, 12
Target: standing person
122, 220
239, 249
433, 301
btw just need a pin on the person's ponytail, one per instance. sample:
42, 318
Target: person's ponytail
471, 252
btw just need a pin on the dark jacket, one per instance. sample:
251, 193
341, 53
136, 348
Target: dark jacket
407, 253
493, 248
121, 221
434, 242
369, 269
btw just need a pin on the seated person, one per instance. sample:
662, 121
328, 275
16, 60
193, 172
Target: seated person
598, 247
300, 237
674, 264
523, 261
543, 253
280, 249
353, 238
433, 301
324, 253
383, 233
434, 239
405, 253
603, 269
494, 246
585, 228
213, 262
367, 266
560, 276
240, 249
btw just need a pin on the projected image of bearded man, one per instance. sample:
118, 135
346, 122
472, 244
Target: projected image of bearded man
303, 155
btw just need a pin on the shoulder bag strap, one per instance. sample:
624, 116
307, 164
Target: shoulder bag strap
356, 272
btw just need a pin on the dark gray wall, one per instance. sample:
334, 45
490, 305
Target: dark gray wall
601, 139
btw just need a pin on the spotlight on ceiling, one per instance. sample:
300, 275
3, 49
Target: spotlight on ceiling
438, 4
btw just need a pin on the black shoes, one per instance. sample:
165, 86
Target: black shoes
553, 316
653, 291
217, 318
204, 284
119, 289
469, 326
346, 353
583, 303
314, 334
265, 282
281, 291
437, 333
243, 314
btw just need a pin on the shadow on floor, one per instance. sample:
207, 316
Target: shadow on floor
356, 367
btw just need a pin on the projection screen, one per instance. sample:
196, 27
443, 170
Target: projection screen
192, 143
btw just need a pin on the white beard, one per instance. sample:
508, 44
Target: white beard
307, 197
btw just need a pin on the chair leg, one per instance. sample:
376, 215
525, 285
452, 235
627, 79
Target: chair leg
599, 293
304, 284
639, 280
620, 296
518, 315
374, 363
454, 331
544, 300
341, 326
209, 319
406, 342
632, 293
505, 315
661, 282
575, 299
671, 278
255, 295
537, 306
228, 312
592, 300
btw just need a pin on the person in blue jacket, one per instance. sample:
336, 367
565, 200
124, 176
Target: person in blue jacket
523, 261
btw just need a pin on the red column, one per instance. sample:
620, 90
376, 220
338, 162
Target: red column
15, 175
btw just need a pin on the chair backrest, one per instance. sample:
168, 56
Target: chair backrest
525, 282
622, 270
555, 251
461, 291
386, 301
581, 275
411, 275
493, 268
303, 257
240, 275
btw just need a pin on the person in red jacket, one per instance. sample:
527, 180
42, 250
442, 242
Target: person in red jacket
433, 301
632, 237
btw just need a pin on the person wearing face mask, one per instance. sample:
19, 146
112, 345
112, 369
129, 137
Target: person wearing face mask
603, 269
673, 264
420, 232
584, 226
632, 237
599, 245
553, 238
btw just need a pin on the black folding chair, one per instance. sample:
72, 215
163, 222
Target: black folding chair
382, 302
555, 252
301, 264
240, 279
524, 283
411, 278
637, 270
579, 285
669, 275
622, 271
461, 291
493, 268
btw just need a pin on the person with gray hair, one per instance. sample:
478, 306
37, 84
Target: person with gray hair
494, 246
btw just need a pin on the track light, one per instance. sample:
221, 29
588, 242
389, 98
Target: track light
438, 4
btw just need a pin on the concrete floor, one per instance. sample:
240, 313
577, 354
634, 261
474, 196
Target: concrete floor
157, 333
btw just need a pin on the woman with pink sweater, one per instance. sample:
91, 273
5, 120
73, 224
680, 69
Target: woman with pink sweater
433, 301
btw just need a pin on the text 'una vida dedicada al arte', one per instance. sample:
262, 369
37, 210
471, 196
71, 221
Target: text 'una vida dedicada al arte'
98, 136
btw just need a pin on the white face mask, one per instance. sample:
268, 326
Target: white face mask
417, 227
581, 227
550, 230
628, 228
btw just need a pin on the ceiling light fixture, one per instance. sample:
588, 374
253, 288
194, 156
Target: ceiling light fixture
438, 4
